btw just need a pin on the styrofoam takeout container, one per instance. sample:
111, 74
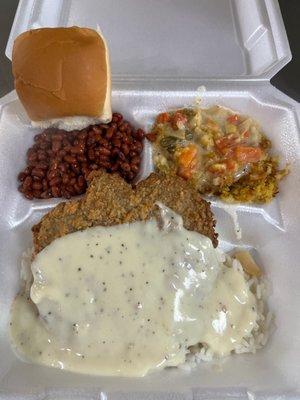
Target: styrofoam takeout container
161, 52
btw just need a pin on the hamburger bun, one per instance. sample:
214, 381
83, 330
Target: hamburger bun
62, 76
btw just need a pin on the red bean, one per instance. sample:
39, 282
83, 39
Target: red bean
65, 179
117, 117
121, 156
56, 145
58, 137
91, 154
70, 159
77, 188
81, 158
32, 156
56, 192
109, 133
42, 155
104, 151
135, 160
125, 167
22, 176
28, 195
42, 165
151, 137
63, 167
117, 142
103, 158
37, 186
133, 153
28, 170
38, 172
46, 195
90, 141
55, 181
77, 150
32, 163
86, 171
52, 174
27, 182
59, 162
123, 126
44, 146
82, 135
45, 184
140, 134
130, 175
137, 146
125, 149
134, 168
70, 189
50, 153
118, 135
104, 164
62, 153
81, 181
76, 168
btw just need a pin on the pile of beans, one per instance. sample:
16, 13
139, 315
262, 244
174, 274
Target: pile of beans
59, 162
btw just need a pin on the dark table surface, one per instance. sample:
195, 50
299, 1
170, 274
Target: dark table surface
287, 80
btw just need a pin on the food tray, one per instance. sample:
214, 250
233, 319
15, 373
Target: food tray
147, 79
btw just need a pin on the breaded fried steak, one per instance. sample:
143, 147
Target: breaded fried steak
109, 200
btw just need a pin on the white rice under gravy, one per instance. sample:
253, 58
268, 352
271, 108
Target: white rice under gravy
261, 331
202, 353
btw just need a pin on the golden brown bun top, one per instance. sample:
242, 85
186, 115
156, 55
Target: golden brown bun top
60, 72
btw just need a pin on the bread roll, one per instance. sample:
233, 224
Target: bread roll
62, 76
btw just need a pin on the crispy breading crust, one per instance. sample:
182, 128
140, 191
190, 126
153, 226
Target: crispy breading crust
109, 200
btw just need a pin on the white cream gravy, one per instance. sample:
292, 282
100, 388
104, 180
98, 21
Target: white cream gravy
128, 299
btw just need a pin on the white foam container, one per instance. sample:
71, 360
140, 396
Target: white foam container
161, 52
